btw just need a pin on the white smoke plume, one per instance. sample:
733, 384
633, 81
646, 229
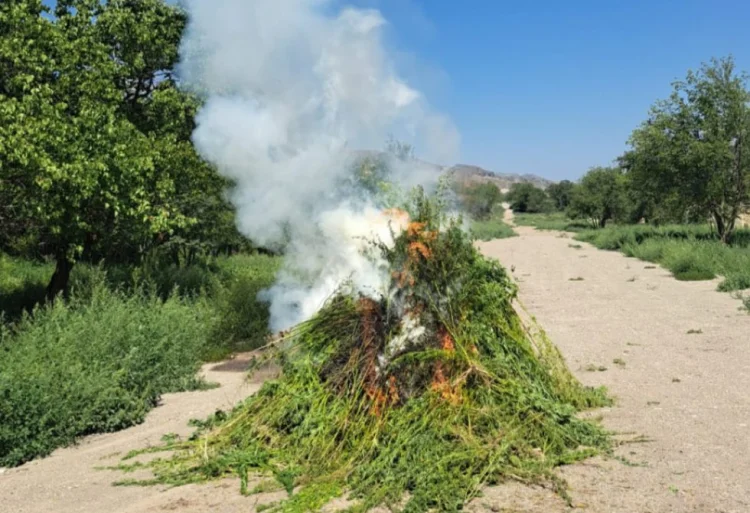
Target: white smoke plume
291, 88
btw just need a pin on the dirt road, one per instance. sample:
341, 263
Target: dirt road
620, 323
687, 392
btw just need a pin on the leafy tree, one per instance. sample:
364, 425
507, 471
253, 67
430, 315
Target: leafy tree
601, 196
525, 197
691, 158
560, 193
480, 199
650, 203
95, 152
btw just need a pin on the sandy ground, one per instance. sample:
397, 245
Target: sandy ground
686, 393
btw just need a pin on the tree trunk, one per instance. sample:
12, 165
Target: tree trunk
721, 229
724, 228
60, 278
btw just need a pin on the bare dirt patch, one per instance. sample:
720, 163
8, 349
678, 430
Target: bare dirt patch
686, 394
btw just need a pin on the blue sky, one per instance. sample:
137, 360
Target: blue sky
551, 87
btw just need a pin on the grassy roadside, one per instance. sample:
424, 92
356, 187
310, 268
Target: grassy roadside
554, 221
494, 228
99, 361
690, 252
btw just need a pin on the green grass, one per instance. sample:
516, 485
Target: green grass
99, 362
690, 252
554, 221
22, 285
491, 229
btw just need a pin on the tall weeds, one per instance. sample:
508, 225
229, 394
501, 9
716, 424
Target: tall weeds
95, 366
99, 361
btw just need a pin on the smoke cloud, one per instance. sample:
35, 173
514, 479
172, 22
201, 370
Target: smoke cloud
291, 88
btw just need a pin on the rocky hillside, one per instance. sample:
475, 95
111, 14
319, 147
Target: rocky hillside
468, 174
475, 174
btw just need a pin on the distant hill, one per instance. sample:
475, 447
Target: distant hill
468, 174
475, 174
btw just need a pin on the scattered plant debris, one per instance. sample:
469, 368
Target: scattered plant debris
426, 394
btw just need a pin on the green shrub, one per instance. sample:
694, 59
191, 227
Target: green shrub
23, 283
687, 265
480, 200
736, 281
745, 302
526, 197
188, 280
93, 365
241, 318
650, 250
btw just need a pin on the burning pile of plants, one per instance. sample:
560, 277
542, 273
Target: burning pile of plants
414, 400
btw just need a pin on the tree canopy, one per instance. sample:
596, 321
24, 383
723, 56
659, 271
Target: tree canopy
691, 158
480, 199
560, 194
600, 196
95, 152
526, 197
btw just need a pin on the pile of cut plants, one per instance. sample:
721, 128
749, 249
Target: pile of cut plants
413, 401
